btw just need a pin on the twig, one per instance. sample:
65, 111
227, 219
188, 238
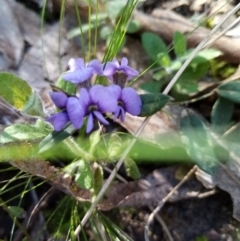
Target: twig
164, 200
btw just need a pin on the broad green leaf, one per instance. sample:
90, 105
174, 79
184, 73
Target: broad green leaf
230, 91
115, 146
185, 86
153, 45
152, 87
34, 106
131, 168
18, 132
55, 138
14, 90
179, 43
152, 103
84, 176
209, 54
221, 114
67, 86
198, 142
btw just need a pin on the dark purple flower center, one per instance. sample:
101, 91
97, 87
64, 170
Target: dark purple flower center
92, 108
120, 78
120, 103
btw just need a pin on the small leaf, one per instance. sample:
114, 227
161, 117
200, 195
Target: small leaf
16, 211
221, 114
98, 179
153, 45
209, 54
18, 132
164, 59
14, 90
230, 91
198, 142
179, 43
34, 106
131, 168
67, 86
84, 175
94, 140
152, 103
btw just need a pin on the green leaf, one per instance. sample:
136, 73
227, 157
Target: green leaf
67, 86
114, 8
209, 54
164, 60
14, 90
16, 211
198, 142
131, 168
221, 114
17, 132
151, 87
152, 103
230, 91
34, 106
179, 43
98, 179
94, 139
153, 45
84, 176
55, 138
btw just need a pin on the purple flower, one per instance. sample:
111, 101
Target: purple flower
71, 111
95, 102
119, 73
128, 101
79, 73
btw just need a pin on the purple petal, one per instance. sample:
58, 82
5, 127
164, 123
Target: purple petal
59, 120
119, 113
116, 90
74, 64
103, 98
59, 99
75, 112
116, 63
130, 72
124, 61
79, 75
89, 123
97, 66
100, 117
110, 70
132, 101
84, 99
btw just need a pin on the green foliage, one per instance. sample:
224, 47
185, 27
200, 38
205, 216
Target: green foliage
179, 43
34, 106
198, 142
188, 81
16, 211
84, 176
18, 132
66, 86
230, 91
152, 103
131, 168
221, 114
153, 45
14, 90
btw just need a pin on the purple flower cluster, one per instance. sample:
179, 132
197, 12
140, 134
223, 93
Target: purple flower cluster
95, 101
